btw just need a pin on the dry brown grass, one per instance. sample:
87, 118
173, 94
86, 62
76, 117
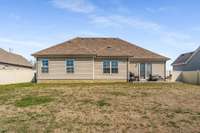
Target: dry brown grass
115, 107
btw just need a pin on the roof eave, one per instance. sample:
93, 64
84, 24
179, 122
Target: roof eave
178, 64
13, 64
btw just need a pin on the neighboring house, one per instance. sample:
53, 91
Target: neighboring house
187, 61
14, 68
97, 59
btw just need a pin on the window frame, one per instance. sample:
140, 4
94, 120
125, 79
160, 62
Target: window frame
110, 67
70, 67
116, 67
106, 67
43, 67
148, 65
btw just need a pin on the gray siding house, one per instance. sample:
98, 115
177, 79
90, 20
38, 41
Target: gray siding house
188, 61
106, 59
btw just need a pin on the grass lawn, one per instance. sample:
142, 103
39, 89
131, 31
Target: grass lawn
114, 107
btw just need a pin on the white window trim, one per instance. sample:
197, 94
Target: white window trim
67, 66
110, 63
103, 67
42, 66
45, 60
111, 66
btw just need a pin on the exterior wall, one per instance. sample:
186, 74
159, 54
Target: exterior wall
84, 67
192, 65
158, 69
122, 69
134, 67
57, 70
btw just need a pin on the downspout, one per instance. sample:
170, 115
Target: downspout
93, 68
36, 76
127, 70
165, 71
139, 70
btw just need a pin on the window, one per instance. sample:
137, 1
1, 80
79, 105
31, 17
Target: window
114, 65
110, 66
70, 66
45, 66
106, 66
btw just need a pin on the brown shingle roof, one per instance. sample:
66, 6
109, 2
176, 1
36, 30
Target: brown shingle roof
99, 47
183, 58
13, 59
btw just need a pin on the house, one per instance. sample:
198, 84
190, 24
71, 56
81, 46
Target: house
188, 61
14, 68
97, 59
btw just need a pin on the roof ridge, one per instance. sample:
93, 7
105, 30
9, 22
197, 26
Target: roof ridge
97, 38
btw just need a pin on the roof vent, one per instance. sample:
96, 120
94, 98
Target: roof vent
109, 47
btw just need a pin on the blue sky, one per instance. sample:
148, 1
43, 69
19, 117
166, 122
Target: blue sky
168, 27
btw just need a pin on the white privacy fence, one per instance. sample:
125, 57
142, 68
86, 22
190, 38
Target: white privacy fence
192, 77
16, 76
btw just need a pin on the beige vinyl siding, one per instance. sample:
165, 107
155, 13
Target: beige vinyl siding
158, 68
83, 69
134, 67
57, 68
122, 69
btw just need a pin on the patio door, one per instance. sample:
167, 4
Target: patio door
142, 71
145, 70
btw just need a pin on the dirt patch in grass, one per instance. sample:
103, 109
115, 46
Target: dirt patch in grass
33, 100
100, 103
